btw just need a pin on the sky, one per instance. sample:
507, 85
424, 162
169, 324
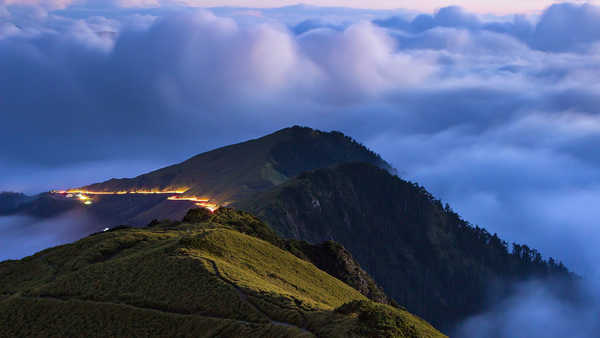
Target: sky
492, 107
478, 6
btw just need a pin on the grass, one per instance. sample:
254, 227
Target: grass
212, 275
382, 320
265, 269
74, 318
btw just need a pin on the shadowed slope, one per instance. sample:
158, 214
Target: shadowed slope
423, 254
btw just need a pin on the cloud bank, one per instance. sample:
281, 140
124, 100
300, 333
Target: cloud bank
23, 236
537, 309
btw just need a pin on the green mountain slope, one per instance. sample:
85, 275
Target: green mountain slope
236, 171
422, 253
223, 274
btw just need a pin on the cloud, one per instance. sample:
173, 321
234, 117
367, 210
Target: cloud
537, 309
23, 236
47, 4
62, 4
96, 79
360, 62
567, 27
562, 27
452, 16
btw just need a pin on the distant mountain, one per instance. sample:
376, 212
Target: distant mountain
10, 201
422, 253
237, 171
221, 274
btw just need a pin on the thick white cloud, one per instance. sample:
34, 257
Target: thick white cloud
361, 61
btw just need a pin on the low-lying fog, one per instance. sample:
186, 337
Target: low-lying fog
23, 236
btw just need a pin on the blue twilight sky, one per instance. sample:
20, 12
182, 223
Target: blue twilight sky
480, 6
494, 108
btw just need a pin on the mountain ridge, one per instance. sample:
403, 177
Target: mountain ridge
210, 274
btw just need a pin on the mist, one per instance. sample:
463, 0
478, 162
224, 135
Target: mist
22, 236
540, 308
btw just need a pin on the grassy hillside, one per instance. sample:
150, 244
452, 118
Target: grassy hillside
423, 254
236, 171
219, 274
328, 256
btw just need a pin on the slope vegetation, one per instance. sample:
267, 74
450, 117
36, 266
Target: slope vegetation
219, 274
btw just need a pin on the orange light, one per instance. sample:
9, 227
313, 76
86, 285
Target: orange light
87, 192
210, 206
188, 198
199, 201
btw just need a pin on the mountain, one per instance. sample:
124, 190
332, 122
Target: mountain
222, 176
422, 253
313, 187
213, 274
237, 171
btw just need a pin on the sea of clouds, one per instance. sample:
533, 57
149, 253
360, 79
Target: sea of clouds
497, 115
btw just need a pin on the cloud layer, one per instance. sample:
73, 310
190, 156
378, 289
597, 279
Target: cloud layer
24, 236
537, 309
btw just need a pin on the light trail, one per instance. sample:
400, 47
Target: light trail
82, 195
199, 201
142, 192
188, 198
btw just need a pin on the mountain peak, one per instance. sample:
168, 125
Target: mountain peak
237, 171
